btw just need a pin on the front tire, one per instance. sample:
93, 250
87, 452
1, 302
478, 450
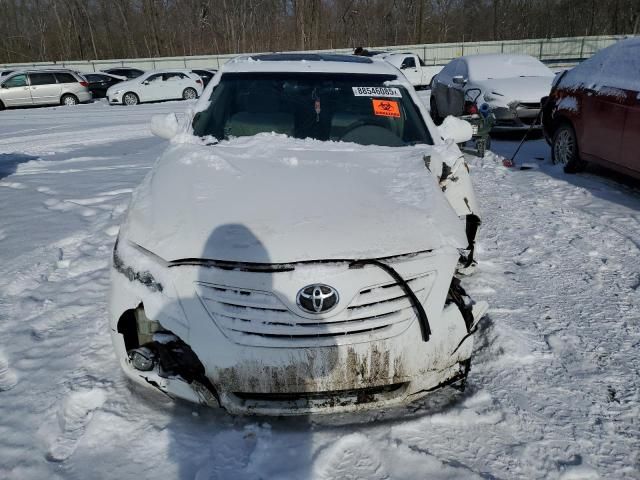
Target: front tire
2, 107
130, 99
189, 94
564, 149
69, 100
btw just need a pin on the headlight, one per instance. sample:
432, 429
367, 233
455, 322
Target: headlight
490, 97
133, 274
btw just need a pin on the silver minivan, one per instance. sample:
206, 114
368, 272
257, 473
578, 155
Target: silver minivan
43, 87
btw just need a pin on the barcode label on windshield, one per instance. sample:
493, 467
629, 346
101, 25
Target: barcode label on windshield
376, 92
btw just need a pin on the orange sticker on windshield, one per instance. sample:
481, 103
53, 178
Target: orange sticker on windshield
386, 108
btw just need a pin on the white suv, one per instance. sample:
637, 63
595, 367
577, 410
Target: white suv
43, 87
294, 250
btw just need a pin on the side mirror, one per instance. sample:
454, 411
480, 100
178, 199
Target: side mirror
165, 126
459, 80
3, 86
146, 82
460, 131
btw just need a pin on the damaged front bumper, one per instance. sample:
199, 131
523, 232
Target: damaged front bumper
516, 117
255, 353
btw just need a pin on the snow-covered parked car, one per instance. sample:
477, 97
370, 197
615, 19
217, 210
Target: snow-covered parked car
156, 86
511, 85
294, 250
593, 111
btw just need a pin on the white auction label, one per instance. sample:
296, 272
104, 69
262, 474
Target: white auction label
376, 92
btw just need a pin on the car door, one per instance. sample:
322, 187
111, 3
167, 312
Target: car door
455, 91
151, 88
409, 67
15, 91
45, 90
175, 83
98, 84
442, 84
630, 151
603, 112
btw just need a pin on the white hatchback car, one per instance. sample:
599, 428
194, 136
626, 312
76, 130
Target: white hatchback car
156, 86
295, 248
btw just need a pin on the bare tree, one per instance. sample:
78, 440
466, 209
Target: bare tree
39, 30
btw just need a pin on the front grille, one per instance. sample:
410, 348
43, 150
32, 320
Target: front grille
260, 318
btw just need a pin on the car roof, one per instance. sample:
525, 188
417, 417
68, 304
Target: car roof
483, 57
104, 74
124, 68
309, 62
394, 54
168, 70
42, 70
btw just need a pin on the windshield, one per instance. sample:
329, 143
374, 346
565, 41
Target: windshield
339, 107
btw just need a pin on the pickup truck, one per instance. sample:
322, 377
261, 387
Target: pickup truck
413, 67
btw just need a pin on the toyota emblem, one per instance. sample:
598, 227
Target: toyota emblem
317, 298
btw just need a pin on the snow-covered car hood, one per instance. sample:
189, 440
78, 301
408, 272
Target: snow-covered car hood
272, 199
522, 89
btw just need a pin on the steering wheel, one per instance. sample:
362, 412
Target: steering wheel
370, 132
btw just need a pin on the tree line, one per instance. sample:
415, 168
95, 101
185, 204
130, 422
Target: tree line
54, 30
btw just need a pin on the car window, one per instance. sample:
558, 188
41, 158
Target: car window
65, 77
449, 70
461, 69
422, 64
124, 72
16, 81
203, 73
408, 62
42, 79
173, 76
94, 77
154, 78
340, 107
622, 68
617, 66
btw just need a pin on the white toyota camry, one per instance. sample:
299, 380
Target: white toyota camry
156, 86
295, 248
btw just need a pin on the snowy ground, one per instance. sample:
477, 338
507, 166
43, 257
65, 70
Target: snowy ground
554, 391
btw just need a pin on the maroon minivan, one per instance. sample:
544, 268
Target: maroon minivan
593, 112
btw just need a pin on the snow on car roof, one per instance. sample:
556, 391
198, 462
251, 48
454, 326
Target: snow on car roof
614, 67
310, 57
309, 62
503, 65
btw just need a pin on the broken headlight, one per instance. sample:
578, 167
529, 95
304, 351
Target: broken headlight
132, 274
142, 358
